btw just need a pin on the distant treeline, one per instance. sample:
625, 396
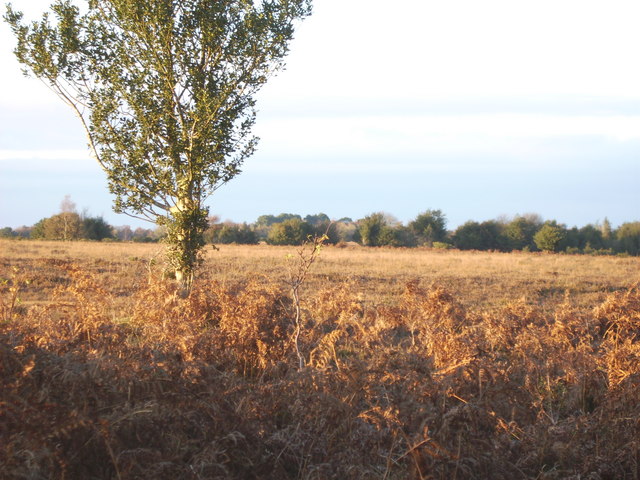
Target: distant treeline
429, 229
69, 226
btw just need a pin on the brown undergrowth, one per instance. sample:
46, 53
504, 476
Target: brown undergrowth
210, 386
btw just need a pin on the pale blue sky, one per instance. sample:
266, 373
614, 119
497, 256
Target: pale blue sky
479, 109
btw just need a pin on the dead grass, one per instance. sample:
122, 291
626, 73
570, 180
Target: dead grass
420, 364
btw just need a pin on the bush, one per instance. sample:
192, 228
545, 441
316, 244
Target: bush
326, 227
290, 232
95, 228
520, 232
628, 236
429, 227
371, 228
227, 233
480, 236
550, 237
7, 232
63, 226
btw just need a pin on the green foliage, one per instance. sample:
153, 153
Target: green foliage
95, 228
429, 227
264, 222
379, 230
628, 238
398, 236
69, 225
345, 231
268, 220
467, 236
185, 239
605, 228
487, 235
318, 219
290, 232
520, 231
591, 235
37, 231
371, 229
386, 237
63, 226
7, 232
165, 92
327, 230
144, 235
228, 232
550, 237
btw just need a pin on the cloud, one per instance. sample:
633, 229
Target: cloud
519, 136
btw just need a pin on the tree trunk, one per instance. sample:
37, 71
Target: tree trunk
185, 238
184, 279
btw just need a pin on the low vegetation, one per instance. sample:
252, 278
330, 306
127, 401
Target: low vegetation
520, 233
416, 363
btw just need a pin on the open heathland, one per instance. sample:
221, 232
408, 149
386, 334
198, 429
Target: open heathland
384, 364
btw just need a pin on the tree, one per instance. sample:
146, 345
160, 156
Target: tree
64, 226
397, 236
520, 231
290, 232
628, 237
487, 235
245, 235
430, 226
467, 236
345, 231
96, 228
165, 93
371, 228
67, 205
590, 238
23, 231
606, 229
7, 232
319, 218
550, 237
143, 235
229, 232
264, 222
124, 233
37, 231
323, 227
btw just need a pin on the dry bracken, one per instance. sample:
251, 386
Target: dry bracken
107, 373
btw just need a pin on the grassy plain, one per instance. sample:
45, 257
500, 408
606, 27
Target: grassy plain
419, 364
476, 279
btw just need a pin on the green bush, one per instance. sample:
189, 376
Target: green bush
628, 238
480, 236
290, 232
430, 227
550, 237
520, 232
228, 232
371, 229
95, 228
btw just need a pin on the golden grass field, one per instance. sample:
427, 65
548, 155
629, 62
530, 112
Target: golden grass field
418, 364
